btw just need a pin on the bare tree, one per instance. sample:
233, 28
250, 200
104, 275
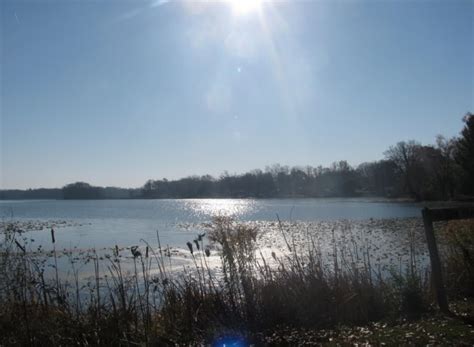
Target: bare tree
465, 154
406, 156
445, 170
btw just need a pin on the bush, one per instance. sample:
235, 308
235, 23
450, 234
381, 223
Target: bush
459, 257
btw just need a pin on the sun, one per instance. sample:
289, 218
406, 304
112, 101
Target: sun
245, 7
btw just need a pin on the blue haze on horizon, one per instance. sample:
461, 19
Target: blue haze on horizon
114, 93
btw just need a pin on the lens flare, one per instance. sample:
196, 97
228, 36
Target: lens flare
230, 342
245, 7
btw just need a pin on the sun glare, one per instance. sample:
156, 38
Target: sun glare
244, 7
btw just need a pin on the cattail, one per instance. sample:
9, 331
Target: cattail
190, 246
208, 252
197, 244
52, 236
20, 246
135, 252
146, 252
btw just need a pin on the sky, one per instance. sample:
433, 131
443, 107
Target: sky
117, 92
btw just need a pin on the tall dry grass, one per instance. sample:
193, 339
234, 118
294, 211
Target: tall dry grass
153, 306
459, 258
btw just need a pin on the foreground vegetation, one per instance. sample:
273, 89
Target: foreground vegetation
292, 299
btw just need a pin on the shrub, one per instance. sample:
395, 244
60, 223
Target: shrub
459, 257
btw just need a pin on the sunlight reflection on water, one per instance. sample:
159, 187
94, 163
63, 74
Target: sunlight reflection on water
220, 207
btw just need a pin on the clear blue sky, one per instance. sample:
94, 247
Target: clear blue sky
114, 93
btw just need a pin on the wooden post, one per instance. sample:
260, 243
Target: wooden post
435, 262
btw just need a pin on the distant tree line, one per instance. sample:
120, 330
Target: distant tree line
442, 171
82, 190
41, 193
78, 190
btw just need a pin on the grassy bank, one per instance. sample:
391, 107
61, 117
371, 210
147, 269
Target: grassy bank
271, 300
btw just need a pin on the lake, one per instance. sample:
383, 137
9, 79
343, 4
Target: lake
102, 223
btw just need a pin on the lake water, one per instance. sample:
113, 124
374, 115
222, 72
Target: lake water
102, 223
